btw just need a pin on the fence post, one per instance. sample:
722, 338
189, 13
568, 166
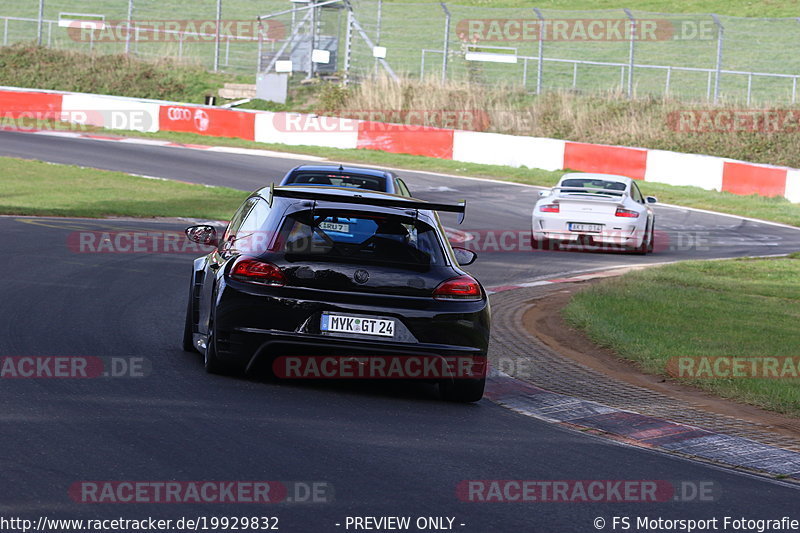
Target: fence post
378, 36
217, 37
348, 44
40, 23
130, 23
720, 32
541, 51
314, 14
357, 26
630, 52
446, 43
749, 86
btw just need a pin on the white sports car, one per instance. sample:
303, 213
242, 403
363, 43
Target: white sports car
594, 209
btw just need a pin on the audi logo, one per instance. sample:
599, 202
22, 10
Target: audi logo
200, 117
179, 113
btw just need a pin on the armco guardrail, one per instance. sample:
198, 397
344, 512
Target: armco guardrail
673, 168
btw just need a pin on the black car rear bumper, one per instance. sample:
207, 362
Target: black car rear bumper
254, 326
247, 347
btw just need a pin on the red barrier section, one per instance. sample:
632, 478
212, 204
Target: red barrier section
744, 178
208, 121
43, 105
406, 139
629, 162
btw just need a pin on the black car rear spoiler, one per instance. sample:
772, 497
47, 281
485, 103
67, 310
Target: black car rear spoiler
390, 201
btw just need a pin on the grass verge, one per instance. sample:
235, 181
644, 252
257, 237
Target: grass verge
741, 307
28, 65
36, 188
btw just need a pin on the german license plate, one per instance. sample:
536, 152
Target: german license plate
592, 228
335, 227
352, 324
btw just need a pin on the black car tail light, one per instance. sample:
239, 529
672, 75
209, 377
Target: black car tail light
458, 288
254, 271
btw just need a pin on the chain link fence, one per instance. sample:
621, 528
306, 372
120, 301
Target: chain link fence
688, 56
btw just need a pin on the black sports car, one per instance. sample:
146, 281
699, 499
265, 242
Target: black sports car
308, 271
351, 177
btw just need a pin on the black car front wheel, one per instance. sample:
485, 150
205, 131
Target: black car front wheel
463, 390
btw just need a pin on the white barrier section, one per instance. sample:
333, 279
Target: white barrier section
301, 129
111, 112
674, 168
793, 186
511, 150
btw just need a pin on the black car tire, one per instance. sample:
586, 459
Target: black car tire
462, 390
210, 358
188, 340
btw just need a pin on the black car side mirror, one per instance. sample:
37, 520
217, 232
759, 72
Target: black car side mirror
650, 199
202, 234
465, 257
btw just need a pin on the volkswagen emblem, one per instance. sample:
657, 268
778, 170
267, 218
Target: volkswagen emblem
361, 276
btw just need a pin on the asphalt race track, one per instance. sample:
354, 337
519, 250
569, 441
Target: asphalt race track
386, 449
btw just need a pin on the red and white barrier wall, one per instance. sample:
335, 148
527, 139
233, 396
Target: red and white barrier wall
707, 172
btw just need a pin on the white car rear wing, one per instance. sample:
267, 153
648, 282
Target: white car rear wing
588, 194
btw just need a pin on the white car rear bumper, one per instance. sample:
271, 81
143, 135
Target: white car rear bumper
557, 229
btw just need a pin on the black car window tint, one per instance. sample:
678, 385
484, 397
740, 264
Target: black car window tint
238, 217
361, 237
252, 237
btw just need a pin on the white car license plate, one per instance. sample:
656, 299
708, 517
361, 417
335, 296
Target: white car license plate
352, 324
593, 228
333, 226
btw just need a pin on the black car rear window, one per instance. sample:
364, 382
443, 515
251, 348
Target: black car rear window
359, 237
371, 183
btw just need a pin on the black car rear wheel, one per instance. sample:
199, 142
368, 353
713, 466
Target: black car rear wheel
462, 390
211, 360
